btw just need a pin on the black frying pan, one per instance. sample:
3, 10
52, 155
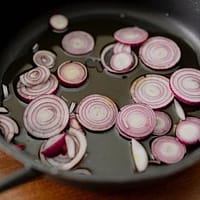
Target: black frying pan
109, 157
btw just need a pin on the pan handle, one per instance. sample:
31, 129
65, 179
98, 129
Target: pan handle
18, 177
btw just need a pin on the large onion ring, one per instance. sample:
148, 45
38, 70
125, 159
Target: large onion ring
97, 112
185, 84
153, 90
160, 53
46, 116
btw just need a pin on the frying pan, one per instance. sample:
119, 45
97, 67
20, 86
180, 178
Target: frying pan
109, 157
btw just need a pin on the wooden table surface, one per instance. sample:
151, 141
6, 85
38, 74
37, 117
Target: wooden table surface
184, 186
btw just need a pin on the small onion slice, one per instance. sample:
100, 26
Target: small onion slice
140, 156
78, 42
46, 116
35, 76
131, 35
64, 162
73, 122
163, 123
119, 47
152, 89
72, 73
8, 127
185, 84
136, 121
27, 94
58, 23
44, 58
188, 132
168, 149
160, 53
106, 55
97, 112
121, 61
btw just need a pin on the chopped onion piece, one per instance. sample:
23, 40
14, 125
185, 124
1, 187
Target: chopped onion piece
119, 48
27, 94
131, 35
54, 147
5, 90
179, 110
44, 58
35, 47
163, 123
8, 127
72, 73
160, 53
72, 107
73, 122
97, 112
3, 110
168, 149
188, 132
71, 146
140, 156
185, 84
58, 23
152, 89
78, 42
136, 121
46, 116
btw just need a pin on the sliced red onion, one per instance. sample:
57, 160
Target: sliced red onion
8, 127
179, 110
46, 116
119, 47
72, 73
44, 58
193, 119
160, 53
19, 146
35, 76
152, 89
185, 84
27, 94
54, 146
163, 123
188, 132
5, 91
106, 55
140, 156
3, 110
64, 162
58, 23
72, 107
121, 61
168, 149
136, 121
97, 112
78, 42
131, 35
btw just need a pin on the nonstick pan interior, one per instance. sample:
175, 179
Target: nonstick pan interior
108, 158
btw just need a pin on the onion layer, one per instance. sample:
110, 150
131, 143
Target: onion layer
168, 149
160, 53
46, 116
136, 121
97, 112
153, 90
185, 84
78, 43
